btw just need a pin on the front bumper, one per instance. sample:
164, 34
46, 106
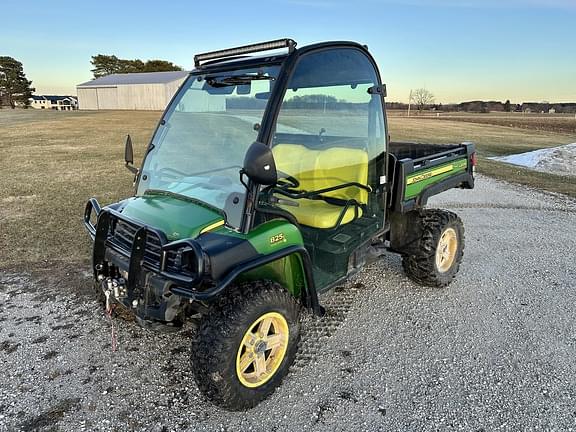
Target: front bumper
151, 266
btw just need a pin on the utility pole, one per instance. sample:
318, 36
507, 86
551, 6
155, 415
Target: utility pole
2, 77
409, 102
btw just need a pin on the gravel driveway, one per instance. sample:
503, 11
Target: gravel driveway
495, 350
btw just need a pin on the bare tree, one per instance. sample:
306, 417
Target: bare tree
422, 97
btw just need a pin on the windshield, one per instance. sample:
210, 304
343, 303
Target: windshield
200, 144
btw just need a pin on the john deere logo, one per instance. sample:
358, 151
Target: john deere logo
278, 238
427, 175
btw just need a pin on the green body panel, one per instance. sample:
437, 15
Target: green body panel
274, 235
177, 218
419, 180
287, 271
268, 238
181, 218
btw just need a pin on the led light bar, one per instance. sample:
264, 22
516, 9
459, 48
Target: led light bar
246, 49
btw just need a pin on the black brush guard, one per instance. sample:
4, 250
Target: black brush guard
143, 248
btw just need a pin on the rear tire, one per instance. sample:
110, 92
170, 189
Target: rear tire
437, 256
231, 334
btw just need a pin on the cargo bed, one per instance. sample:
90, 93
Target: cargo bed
418, 171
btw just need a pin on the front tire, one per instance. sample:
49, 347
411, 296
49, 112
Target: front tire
245, 344
437, 256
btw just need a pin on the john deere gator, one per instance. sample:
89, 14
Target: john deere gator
271, 178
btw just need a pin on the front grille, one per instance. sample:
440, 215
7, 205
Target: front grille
122, 236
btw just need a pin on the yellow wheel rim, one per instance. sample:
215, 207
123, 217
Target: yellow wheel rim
262, 349
446, 250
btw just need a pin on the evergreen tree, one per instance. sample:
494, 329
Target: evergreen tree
160, 66
105, 65
14, 86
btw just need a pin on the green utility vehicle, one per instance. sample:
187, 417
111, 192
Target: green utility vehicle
270, 179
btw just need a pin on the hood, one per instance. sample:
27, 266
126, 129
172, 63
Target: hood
178, 218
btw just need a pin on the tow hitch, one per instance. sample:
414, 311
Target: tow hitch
114, 287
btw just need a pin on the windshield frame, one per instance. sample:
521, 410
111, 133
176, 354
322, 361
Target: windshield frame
211, 71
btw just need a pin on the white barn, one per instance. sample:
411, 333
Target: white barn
131, 91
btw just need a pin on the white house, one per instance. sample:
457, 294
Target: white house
60, 103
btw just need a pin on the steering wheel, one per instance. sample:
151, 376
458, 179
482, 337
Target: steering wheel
172, 171
287, 181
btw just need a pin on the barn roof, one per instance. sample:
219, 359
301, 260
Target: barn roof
135, 78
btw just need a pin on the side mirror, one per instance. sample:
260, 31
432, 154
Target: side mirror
128, 151
259, 164
129, 155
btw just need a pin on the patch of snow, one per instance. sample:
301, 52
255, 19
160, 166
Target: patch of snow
557, 160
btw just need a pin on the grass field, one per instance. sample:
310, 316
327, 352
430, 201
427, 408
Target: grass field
549, 123
490, 139
561, 123
52, 162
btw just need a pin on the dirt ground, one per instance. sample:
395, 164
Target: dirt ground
493, 351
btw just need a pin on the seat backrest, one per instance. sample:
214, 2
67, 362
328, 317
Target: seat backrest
298, 161
321, 169
337, 165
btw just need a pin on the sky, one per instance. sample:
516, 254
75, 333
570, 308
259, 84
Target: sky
522, 50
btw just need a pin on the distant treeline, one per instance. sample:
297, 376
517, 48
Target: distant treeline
307, 102
310, 102
110, 64
494, 106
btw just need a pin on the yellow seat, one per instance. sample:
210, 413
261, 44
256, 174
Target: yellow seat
321, 169
320, 214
